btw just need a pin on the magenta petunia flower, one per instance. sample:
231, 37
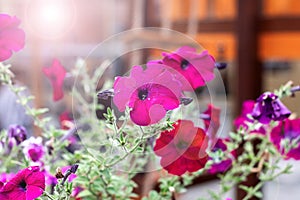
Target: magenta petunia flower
56, 73
287, 130
12, 38
192, 69
76, 192
243, 119
33, 148
72, 176
5, 177
220, 166
27, 184
182, 149
211, 118
149, 93
269, 107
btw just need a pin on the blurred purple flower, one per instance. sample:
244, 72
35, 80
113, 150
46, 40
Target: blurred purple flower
12, 38
33, 148
192, 69
268, 107
17, 132
149, 93
242, 119
223, 165
27, 184
287, 130
56, 73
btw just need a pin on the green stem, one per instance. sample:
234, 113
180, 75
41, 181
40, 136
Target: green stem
48, 195
128, 152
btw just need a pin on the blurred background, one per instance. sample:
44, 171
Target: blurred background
259, 39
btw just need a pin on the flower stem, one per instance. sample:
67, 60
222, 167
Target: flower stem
48, 195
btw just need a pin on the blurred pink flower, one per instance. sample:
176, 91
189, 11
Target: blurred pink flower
5, 177
289, 130
242, 120
27, 184
149, 93
56, 73
12, 38
33, 148
193, 69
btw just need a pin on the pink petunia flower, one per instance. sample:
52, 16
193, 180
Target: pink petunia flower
27, 184
33, 148
76, 192
182, 149
5, 177
192, 69
243, 119
12, 38
56, 73
149, 93
287, 130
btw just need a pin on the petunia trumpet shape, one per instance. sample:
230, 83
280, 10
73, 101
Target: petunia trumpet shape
191, 68
149, 93
12, 38
269, 107
56, 74
183, 149
27, 184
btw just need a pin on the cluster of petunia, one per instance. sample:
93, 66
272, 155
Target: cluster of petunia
150, 93
29, 183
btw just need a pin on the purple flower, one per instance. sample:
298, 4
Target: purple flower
27, 184
243, 119
223, 165
287, 130
268, 107
76, 191
149, 93
33, 148
17, 132
191, 68
12, 38
56, 73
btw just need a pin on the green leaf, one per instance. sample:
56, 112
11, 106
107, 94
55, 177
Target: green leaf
84, 193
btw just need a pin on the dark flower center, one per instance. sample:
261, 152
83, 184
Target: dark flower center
184, 64
23, 185
143, 94
182, 145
